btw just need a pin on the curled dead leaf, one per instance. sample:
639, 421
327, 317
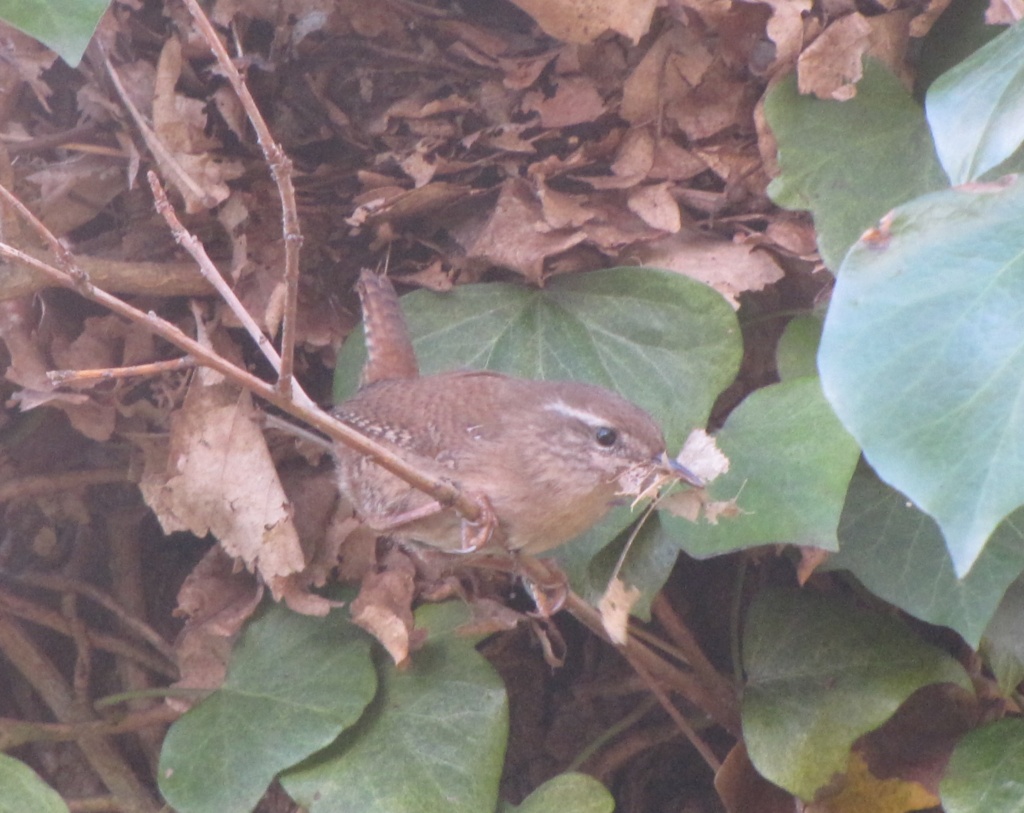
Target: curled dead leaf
583, 21
614, 606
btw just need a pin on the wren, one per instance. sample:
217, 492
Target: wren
547, 459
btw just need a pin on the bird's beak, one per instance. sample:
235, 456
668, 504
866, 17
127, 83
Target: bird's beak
674, 467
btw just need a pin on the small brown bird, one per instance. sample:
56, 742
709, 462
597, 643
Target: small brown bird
547, 458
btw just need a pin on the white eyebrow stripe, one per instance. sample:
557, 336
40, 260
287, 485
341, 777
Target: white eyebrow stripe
563, 408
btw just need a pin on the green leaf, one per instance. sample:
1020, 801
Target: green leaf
850, 162
22, 790
897, 552
647, 565
790, 462
797, 353
1003, 646
665, 342
922, 358
820, 673
432, 742
986, 772
976, 109
566, 793
65, 26
960, 31
294, 684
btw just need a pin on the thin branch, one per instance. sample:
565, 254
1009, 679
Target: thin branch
99, 752
446, 493
720, 709
170, 166
58, 377
281, 168
25, 487
43, 616
193, 246
681, 722
48, 581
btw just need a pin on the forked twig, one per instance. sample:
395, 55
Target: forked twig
281, 168
194, 247
73, 278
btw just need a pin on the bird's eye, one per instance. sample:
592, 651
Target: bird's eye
606, 436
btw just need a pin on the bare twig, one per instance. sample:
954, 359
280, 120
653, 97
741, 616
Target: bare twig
168, 163
26, 487
118, 276
681, 722
721, 709
281, 168
58, 377
49, 581
99, 751
19, 732
194, 247
444, 492
44, 617
681, 636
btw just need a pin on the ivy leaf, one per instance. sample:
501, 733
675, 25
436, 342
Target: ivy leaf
897, 552
976, 108
921, 357
984, 774
566, 793
21, 789
66, 26
790, 463
850, 162
820, 673
295, 682
432, 742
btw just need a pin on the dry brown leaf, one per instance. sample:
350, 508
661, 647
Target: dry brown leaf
729, 268
674, 163
616, 602
926, 17
635, 156
861, 790
521, 72
217, 598
433, 277
395, 204
489, 616
575, 101
516, 235
668, 71
219, 478
563, 211
1004, 12
890, 39
17, 330
655, 206
831, 66
810, 560
180, 125
384, 607
701, 455
73, 192
583, 21
718, 103
26, 60
28, 369
793, 234
743, 790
